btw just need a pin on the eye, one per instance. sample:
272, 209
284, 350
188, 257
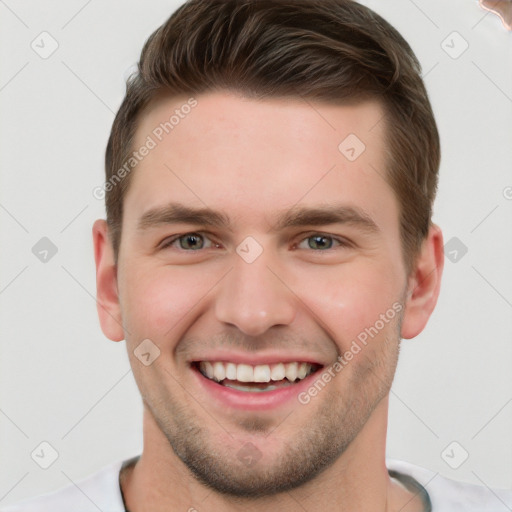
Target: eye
320, 242
188, 242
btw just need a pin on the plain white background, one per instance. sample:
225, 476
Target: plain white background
64, 383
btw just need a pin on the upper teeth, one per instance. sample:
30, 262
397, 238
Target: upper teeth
260, 373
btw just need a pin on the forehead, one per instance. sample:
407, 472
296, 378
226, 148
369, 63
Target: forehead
288, 121
258, 155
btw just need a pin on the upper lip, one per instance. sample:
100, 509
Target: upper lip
255, 359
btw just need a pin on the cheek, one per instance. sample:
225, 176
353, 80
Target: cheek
156, 301
348, 300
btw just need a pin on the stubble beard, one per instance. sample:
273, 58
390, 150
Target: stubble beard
303, 455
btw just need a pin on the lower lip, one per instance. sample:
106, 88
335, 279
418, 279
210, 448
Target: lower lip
253, 401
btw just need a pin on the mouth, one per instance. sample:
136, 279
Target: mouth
262, 378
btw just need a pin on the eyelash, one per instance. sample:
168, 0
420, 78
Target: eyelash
342, 242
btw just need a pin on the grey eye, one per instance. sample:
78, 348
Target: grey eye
191, 241
320, 242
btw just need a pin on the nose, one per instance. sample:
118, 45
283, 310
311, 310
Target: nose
253, 297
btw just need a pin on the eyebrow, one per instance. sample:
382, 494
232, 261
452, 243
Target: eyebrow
326, 214
175, 213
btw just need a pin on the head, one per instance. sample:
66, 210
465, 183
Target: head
336, 51
295, 250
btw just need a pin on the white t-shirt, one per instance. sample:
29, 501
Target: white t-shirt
101, 491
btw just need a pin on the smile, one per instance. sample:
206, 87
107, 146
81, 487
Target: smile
258, 378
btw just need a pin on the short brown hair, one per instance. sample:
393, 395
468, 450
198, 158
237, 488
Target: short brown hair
336, 51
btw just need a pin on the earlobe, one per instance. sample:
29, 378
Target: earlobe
424, 284
107, 298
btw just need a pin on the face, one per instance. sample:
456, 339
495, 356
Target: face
251, 243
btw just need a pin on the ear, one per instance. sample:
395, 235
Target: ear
107, 295
424, 284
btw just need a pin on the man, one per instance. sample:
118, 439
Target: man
268, 243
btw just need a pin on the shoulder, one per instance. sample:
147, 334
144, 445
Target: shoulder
449, 495
99, 491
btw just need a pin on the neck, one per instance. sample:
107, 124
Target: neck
357, 481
